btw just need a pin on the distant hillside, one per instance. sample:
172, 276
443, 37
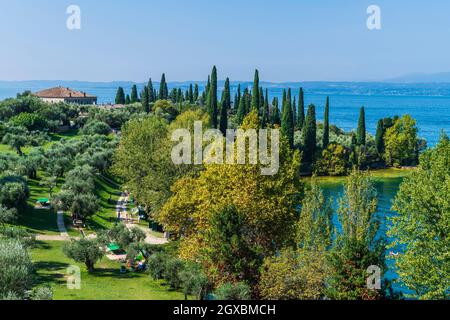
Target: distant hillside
442, 77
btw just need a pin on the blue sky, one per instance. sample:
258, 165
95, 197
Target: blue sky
287, 40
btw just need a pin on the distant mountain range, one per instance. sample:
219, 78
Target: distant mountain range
442, 77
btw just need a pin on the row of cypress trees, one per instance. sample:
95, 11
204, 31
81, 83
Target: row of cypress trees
291, 119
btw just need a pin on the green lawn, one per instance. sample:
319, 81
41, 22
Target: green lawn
106, 283
108, 191
380, 174
38, 220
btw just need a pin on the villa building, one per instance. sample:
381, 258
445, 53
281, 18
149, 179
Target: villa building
61, 94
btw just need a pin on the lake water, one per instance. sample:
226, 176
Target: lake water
429, 104
387, 189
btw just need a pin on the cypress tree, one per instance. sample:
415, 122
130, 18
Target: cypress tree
379, 137
241, 112
255, 92
326, 125
294, 113
238, 97
261, 99
213, 98
301, 110
283, 101
134, 94
163, 91
287, 128
276, 119
151, 93
266, 113
127, 99
247, 101
180, 97
191, 94
361, 132
196, 94
120, 96
145, 100
309, 135
226, 105
173, 95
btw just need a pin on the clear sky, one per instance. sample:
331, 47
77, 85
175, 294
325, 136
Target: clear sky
287, 40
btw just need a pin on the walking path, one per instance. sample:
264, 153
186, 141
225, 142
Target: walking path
63, 235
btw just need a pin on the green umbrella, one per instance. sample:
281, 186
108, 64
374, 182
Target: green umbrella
113, 247
43, 200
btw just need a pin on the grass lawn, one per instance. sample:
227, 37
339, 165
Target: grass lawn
108, 191
106, 283
380, 174
38, 221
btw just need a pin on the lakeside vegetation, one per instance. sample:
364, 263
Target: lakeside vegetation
234, 234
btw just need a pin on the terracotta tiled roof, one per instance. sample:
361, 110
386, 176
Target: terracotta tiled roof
61, 92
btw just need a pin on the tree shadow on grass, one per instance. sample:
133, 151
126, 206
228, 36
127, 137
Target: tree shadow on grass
115, 273
50, 272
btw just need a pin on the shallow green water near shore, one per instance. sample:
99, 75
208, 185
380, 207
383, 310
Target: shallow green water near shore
387, 183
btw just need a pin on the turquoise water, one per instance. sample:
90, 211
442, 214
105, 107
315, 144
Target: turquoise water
429, 104
387, 189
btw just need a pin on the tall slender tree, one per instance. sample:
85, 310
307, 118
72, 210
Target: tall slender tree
265, 121
309, 135
379, 137
213, 108
196, 92
151, 91
301, 110
191, 94
145, 100
163, 90
238, 97
134, 94
275, 115
361, 132
127, 99
255, 92
287, 128
120, 96
326, 125
225, 106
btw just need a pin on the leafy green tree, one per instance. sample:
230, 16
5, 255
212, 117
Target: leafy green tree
96, 127
213, 108
16, 138
233, 291
7, 215
357, 246
326, 125
255, 92
49, 183
294, 275
120, 96
16, 269
301, 110
228, 249
334, 161
143, 160
401, 142
127, 99
309, 135
241, 111
361, 132
31, 121
14, 192
194, 282
84, 251
422, 227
